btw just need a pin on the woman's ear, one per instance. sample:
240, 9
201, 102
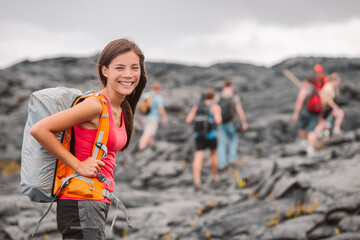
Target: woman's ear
104, 70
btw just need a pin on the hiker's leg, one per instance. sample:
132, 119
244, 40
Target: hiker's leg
302, 134
233, 144
303, 138
214, 165
319, 128
150, 142
221, 146
150, 129
315, 125
82, 219
212, 144
144, 139
301, 124
197, 166
326, 123
310, 149
339, 117
93, 216
311, 139
328, 126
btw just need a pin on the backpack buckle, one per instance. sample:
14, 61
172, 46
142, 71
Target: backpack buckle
103, 147
67, 136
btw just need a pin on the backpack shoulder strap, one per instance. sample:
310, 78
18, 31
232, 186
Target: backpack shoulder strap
102, 135
99, 149
211, 104
209, 108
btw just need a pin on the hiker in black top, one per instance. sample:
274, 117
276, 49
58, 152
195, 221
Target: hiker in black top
205, 116
230, 108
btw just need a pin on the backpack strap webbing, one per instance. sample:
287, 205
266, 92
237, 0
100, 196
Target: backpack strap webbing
64, 182
119, 205
99, 149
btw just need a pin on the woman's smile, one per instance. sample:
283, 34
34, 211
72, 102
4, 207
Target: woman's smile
126, 83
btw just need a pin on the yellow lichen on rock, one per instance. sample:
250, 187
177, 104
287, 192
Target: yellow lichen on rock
8, 168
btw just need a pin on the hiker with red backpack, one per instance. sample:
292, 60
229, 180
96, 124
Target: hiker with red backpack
81, 214
227, 132
205, 117
307, 110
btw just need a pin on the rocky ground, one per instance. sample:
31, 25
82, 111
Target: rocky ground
272, 192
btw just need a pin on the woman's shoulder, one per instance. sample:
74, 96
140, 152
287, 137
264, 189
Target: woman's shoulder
328, 87
92, 104
214, 106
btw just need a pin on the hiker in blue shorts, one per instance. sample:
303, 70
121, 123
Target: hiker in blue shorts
306, 120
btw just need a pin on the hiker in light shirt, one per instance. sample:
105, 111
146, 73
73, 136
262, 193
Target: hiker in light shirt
152, 118
329, 93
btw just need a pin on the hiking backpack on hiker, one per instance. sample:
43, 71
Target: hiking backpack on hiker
42, 174
43, 177
320, 82
145, 104
203, 122
314, 104
227, 109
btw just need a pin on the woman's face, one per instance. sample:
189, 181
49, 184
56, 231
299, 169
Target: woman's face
123, 73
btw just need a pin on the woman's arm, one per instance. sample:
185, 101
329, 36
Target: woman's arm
299, 102
163, 115
190, 117
87, 112
216, 110
241, 113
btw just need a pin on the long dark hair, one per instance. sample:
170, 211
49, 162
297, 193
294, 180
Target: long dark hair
111, 51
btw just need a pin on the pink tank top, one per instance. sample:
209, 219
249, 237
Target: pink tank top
84, 141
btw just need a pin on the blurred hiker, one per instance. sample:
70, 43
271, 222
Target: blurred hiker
320, 79
231, 107
306, 113
152, 115
329, 93
205, 116
121, 71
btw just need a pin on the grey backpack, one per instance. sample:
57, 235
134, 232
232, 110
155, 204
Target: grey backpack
37, 165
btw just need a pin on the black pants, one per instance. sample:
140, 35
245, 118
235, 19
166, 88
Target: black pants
82, 219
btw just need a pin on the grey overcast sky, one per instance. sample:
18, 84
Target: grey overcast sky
198, 32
